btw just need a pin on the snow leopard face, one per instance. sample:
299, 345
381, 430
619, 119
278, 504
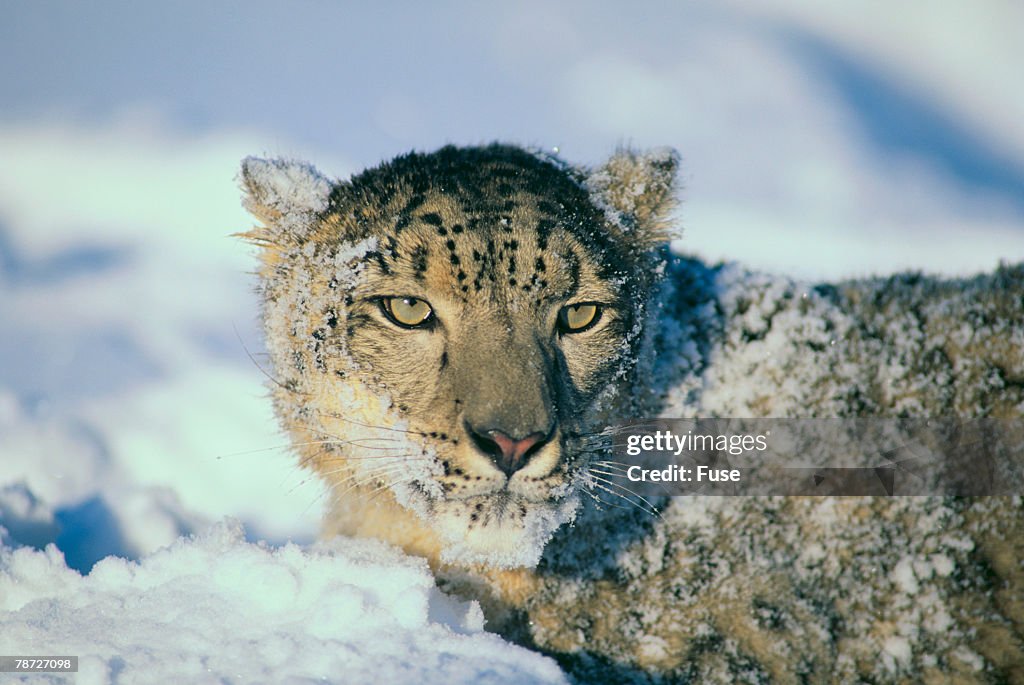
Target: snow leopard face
448, 330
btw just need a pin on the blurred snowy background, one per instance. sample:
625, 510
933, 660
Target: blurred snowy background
823, 140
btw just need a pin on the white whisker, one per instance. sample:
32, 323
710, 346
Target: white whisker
653, 508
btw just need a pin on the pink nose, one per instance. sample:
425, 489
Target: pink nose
513, 451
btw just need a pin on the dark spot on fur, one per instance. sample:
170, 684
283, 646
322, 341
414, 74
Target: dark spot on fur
320, 334
381, 261
414, 203
457, 228
432, 218
450, 244
419, 261
444, 363
392, 245
539, 265
544, 227
454, 259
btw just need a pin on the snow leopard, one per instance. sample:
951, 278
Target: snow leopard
450, 332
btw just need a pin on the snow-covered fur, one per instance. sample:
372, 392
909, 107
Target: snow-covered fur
806, 589
499, 243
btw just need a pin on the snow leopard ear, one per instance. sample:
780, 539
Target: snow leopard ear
637, 190
285, 195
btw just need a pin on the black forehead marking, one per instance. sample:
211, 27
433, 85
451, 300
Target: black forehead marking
391, 243
382, 262
489, 185
574, 271
419, 261
544, 227
414, 203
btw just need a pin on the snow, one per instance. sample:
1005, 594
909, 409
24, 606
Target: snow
215, 608
540, 525
293, 190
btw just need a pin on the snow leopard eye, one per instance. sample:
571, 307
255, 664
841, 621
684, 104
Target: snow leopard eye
577, 318
407, 312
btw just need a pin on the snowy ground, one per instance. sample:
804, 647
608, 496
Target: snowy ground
217, 609
816, 141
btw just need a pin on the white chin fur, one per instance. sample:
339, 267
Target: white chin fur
510, 543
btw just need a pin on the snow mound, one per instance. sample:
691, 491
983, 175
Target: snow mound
215, 608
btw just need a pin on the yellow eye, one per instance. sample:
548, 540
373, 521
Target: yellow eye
578, 317
408, 312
